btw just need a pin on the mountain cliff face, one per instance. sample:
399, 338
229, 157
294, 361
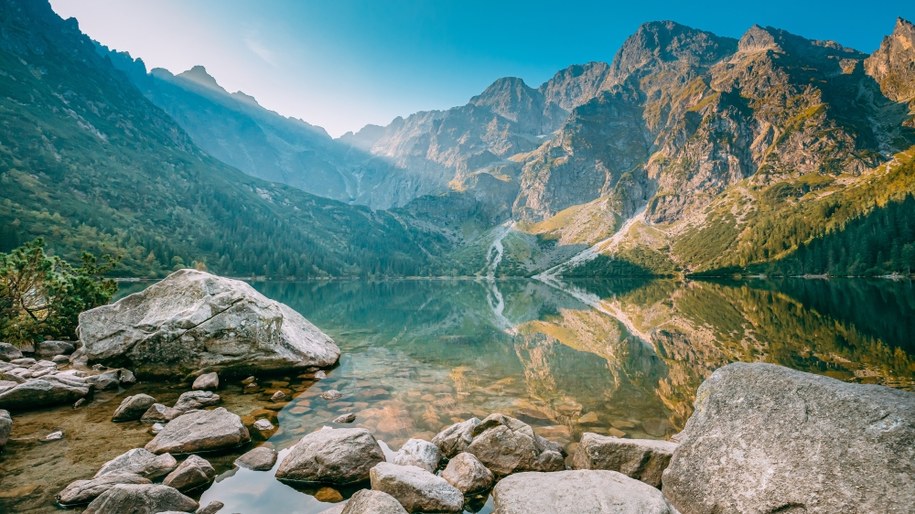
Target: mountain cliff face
893, 64
90, 164
238, 131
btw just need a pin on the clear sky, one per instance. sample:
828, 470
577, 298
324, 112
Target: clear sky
343, 63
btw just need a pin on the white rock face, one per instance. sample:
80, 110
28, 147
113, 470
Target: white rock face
576, 492
642, 459
419, 453
332, 456
764, 438
416, 489
193, 320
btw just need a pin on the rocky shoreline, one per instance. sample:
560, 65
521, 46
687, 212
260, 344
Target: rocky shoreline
762, 438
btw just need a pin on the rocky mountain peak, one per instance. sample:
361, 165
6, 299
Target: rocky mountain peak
667, 41
509, 97
198, 75
572, 86
758, 38
893, 64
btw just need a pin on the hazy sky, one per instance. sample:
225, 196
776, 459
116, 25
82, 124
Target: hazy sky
344, 63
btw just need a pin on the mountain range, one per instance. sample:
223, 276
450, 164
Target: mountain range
687, 153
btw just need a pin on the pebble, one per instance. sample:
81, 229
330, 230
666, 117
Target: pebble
54, 436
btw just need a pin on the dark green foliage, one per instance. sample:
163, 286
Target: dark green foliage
41, 296
604, 266
879, 242
88, 163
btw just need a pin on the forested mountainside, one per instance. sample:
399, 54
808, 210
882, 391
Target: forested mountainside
687, 153
90, 164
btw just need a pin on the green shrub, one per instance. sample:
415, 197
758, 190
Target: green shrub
41, 296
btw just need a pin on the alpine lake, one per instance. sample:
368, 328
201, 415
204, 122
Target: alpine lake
621, 357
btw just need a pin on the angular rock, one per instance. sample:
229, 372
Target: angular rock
576, 492
416, 489
133, 407
193, 320
110, 379
506, 445
368, 501
141, 462
200, 431
642, 459
263, 428
140, 499
196, 400
331, 395
261, 458
9, 352
764, 438
41, 392
194, 472
278, 396
48, 349
344, 418
333, 456
467, 474
158, 413
84, 491
455, 439
6, 427
211, 508
57, 435
206, 382
419, 453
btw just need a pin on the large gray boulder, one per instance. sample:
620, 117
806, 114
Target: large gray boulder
200, 431
467, 474
193, 320
764, 438
642, 459
368, 501
42, 392
333, 456
261, 458
454, 439
194, 472
84, 491
506, 445
9, 352
141, 462
416, 489
133, 407
6, 427
577, 492
140, 499
419, 453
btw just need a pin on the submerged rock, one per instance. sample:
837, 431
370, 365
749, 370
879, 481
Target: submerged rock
193, 320
419, 453
194, 472
206, 382
200, 431
576, 492
261, 458
764, 438
133, 407
642, 459
467, 474
344, 418
84, 491
6, 427
506, 445
416, 489
368, 501
455, 439
140, 499
141, 462
333, 456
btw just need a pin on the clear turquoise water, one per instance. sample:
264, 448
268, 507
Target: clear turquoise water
622, 357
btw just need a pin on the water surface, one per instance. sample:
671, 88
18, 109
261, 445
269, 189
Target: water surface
619, 357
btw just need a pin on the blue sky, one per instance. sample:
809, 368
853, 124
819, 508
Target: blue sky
344, 63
